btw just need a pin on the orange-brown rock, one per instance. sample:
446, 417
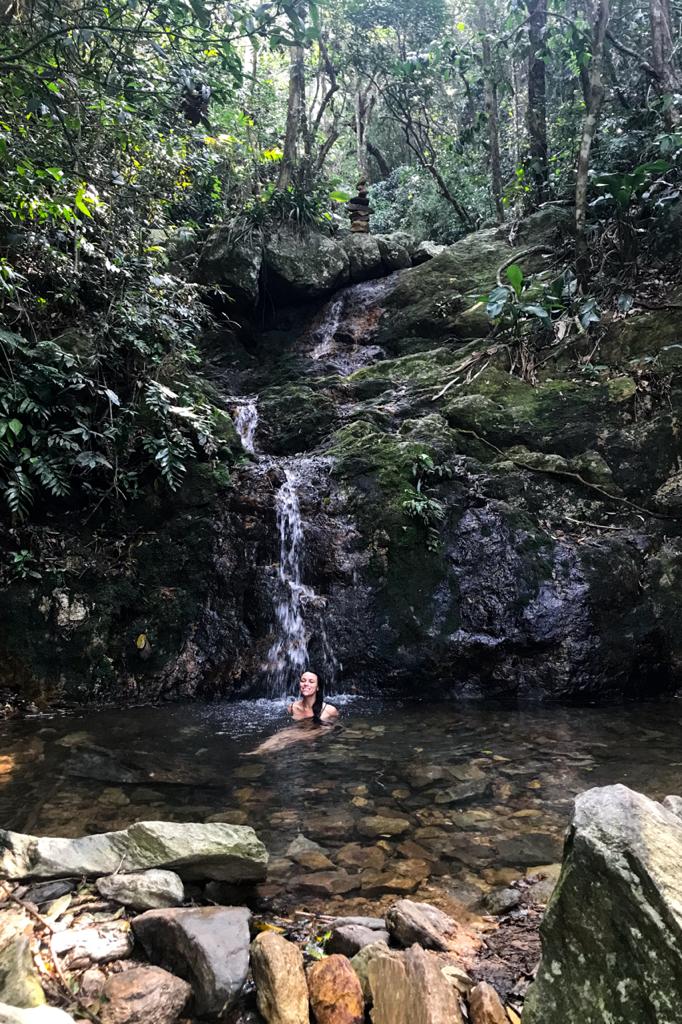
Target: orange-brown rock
279, 977
485, 1006
335, 992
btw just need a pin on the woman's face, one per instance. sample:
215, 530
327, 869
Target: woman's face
308, 684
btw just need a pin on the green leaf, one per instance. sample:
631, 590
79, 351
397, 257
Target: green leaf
56, 172
515, 278
16, 426
539, 311
339, 197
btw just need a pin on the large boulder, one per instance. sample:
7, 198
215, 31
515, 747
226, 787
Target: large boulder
233, 262
621, 961
207, 946
218, 851
304, 266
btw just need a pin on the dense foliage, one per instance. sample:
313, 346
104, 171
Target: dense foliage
131, 127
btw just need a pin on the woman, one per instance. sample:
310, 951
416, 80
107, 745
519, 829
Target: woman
311, 708
312, 703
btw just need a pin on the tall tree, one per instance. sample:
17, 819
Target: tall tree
667, 77
599, 15
536, 113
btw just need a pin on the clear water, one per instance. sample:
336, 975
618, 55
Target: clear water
103, 770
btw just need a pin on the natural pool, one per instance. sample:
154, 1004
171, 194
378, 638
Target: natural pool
443, 801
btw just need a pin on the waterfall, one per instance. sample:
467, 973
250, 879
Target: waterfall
297, 606
246, 421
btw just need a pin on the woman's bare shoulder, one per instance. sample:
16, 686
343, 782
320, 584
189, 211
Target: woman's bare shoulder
329, 712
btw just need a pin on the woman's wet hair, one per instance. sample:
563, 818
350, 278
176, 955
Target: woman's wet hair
319, 697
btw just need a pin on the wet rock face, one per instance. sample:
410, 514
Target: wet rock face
620, 962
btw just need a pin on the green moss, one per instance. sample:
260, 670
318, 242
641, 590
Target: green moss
295, 417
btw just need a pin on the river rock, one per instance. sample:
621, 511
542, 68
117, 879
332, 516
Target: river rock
674, 805
207, 946
485, 1006
112, 940
148, 890
411, 988
459, 792
499, 901
530, 848
353, 855
19, 979
420, 923
34, 1015
380, 825
335, 992
349, 939
301, 844
612, 934
143, 995
326, 883
361, 961
279, 977
196, 851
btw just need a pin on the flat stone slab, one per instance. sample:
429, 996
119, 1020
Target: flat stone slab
218, 851
207, 946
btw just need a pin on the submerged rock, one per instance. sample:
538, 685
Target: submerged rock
207, 946
279, 977
621, 960
211, 851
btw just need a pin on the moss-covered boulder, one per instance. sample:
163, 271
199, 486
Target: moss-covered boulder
233, 262
293, 418
304, 266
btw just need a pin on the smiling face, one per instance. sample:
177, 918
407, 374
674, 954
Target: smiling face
308, 684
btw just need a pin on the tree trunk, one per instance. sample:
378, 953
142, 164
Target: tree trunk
295, 114
364, 104
492, 111
381, 160
667, 79
537, 101
600, 21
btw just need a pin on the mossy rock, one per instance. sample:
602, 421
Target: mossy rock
294, 418
644, 334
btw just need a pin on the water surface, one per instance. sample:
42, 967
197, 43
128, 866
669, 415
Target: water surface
483, 793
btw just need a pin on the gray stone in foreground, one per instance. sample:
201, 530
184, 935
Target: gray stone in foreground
361, 961
207, 946
35, 1015
279, 977
148, 890
612, 934
410, 923
349, 939
196, 851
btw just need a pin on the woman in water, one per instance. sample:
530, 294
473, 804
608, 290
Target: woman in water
312, 703
310, 710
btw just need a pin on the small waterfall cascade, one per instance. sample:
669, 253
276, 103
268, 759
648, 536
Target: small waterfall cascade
246, 421
298, 608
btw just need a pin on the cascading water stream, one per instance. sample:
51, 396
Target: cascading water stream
297, 607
